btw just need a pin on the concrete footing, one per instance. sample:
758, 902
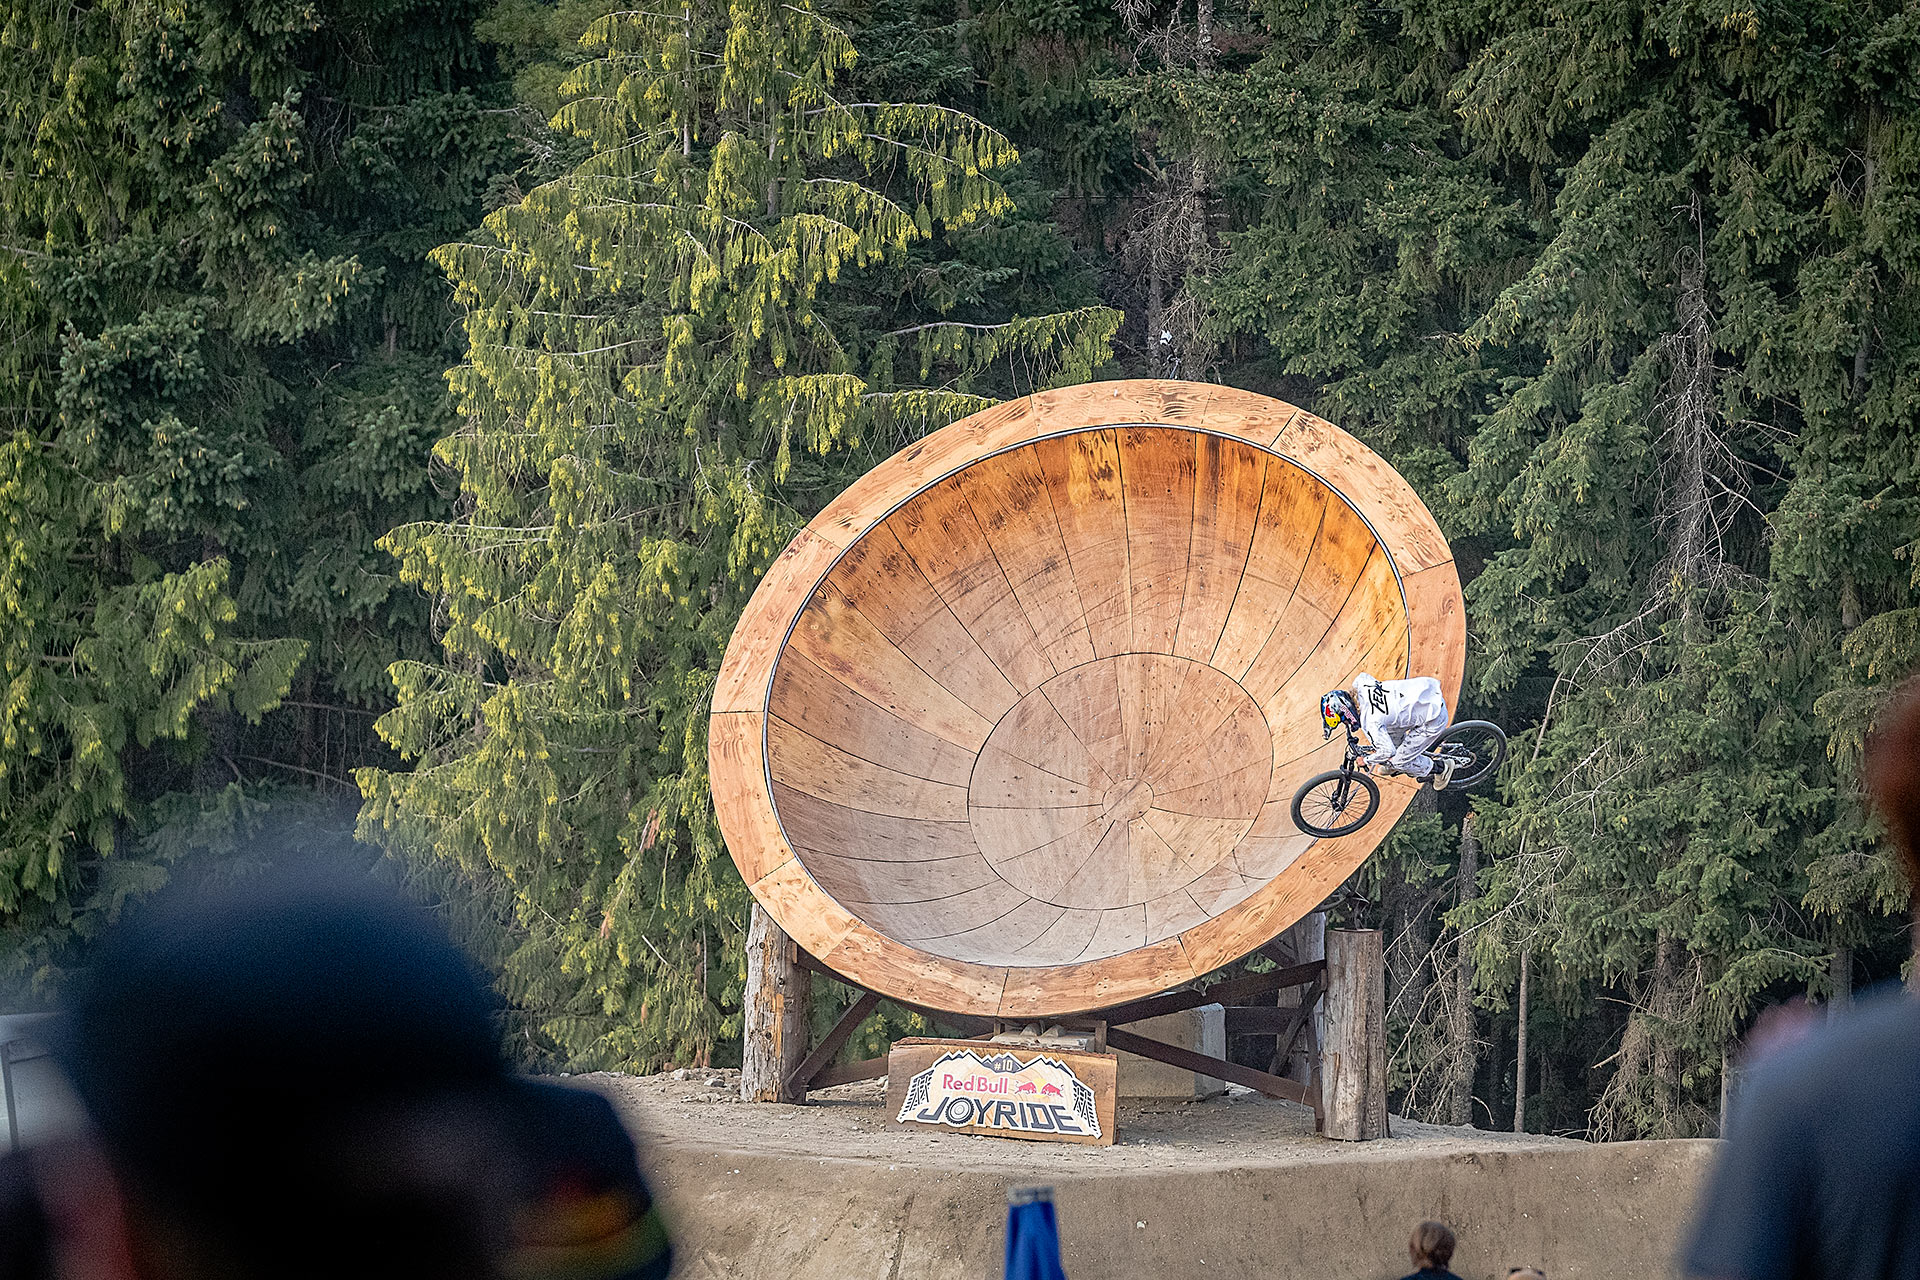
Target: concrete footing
1203, 1030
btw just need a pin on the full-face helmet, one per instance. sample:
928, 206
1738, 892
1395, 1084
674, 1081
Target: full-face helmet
1337, 708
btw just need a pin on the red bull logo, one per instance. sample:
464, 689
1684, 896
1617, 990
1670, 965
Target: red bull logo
964, 1090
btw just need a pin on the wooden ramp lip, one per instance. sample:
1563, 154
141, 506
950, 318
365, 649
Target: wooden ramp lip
1004, 554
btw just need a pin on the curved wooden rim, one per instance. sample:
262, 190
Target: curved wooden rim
1430, 589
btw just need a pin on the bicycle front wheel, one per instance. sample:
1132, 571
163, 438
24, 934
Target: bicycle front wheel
1477, 748
1335, 804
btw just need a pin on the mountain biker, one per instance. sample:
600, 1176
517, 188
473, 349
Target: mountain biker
1401, 719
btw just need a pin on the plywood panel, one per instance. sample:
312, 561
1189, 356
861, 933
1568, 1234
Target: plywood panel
1064, 941
762, 629
1364, 478
1110, 968
893, 594
1004, 781
814, 824
939, 531
843, 642
1292, 506
1229, 478
1014, 505
1035, 732
923, 923
811, 700
1087, 700
1168, 916
1083, 472
736, 757
918, 977
1044, 872
881, 881
805, 763
1157, 480
1003, 940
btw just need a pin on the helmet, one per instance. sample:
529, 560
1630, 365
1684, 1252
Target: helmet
1337, 708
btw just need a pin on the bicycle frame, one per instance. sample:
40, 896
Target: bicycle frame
1356, 761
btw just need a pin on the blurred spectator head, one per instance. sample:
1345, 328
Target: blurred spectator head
281, 1071
299, 1076
1893, 775
1525, 1273
1431, 1246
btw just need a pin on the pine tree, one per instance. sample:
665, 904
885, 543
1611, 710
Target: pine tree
1709, 310
222, 357
1628, 297
732, 306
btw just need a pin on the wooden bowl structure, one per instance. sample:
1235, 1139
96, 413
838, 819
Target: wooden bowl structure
1011, 728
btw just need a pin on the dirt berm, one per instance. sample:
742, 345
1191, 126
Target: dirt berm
1236, 1186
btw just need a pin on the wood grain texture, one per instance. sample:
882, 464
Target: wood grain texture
1011, 728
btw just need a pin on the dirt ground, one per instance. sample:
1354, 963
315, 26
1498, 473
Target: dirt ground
1237, 1129
1237, 1185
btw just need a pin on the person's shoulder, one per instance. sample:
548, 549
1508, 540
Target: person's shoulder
1881, 1032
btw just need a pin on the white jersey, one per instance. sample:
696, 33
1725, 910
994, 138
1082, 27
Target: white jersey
1398, 704
1401, 718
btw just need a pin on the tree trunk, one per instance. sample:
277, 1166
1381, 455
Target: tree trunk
1841, 969
1354, 1066
1159, 341
775, 1004
1409, 913
1664, 1006
1460, 1022
1726, 1089
1520, 1053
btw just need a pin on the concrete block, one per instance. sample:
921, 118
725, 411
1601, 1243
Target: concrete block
1203, 1030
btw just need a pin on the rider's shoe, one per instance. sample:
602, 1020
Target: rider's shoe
1443, 773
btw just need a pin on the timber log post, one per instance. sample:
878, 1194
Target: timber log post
778, 995
1354, 1058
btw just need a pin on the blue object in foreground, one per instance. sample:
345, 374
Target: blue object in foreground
1033, 1235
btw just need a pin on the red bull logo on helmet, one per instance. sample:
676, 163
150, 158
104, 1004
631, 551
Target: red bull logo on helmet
964, 1090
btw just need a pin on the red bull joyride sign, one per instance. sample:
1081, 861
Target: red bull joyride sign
1005, 1091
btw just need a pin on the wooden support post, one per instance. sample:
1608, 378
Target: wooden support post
1354, 1060
776, 1003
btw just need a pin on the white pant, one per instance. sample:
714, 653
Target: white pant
1405, 749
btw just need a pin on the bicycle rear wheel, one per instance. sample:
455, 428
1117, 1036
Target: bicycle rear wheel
1335, 804
1477, 748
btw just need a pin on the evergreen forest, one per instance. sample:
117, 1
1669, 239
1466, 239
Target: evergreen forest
400, 401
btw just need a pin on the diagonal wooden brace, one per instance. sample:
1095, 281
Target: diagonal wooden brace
1219, 1068
1232, 991
829, 1045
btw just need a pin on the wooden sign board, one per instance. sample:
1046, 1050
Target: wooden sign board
1038, 1093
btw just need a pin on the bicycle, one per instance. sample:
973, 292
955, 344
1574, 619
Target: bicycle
1341, 801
